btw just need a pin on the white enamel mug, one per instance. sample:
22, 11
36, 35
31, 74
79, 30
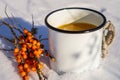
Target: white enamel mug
75, 51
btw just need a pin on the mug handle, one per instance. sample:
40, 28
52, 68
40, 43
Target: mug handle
108, 37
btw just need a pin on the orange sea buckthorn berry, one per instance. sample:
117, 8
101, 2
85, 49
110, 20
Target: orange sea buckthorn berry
40, 51
29, 45
37, 56
29, 34
15, 53
25, 31
24, 56
16, 50
34, 42
26, 77
23, 73
26, 66
34, 47
18, 57
29, 38
19, 60
27, 70
20, 70
40, 65
20, 67
35, 52
38, 44
24, 45
33, 69
24, 49
23, 53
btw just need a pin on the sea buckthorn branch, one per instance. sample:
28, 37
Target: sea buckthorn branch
27, 49
31, 46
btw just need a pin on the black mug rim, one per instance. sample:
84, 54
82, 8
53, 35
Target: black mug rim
74, 32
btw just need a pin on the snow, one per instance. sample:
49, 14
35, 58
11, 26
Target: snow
23, 9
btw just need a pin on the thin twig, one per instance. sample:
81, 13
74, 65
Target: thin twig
50, 55
12, 21
18, 30
40, 36
33, 22
10, 27
8, 16
10, 57
6, 39
15, 27
17, 22
33, 29
40, 75
6, 49
38, 70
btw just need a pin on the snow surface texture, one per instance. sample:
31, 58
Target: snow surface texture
23, 9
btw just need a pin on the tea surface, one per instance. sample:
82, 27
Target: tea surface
77, 26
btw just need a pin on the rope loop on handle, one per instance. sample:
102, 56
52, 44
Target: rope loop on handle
108, 37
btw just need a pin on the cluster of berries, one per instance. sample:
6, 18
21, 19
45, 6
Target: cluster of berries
27, 54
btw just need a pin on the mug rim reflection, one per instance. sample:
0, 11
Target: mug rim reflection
76, 32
